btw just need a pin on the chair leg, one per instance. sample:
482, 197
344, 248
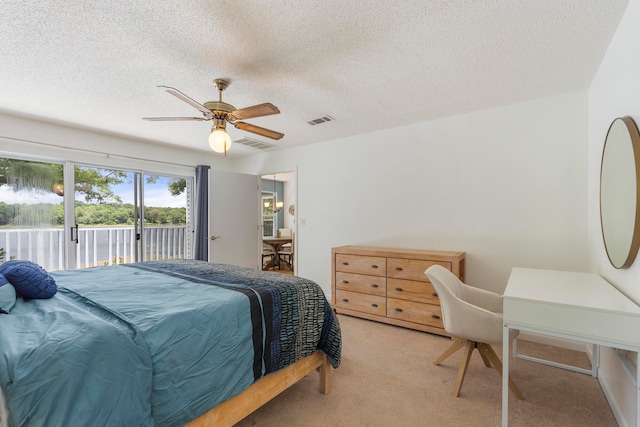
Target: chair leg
462, 370
497, 364
269, 265
485, 359
455, 346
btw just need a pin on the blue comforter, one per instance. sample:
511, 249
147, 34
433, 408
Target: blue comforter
155, 343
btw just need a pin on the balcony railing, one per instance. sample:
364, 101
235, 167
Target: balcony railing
96, 245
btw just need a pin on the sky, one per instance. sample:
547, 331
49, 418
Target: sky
155, 195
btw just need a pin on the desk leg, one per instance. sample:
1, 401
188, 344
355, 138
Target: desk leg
505, 375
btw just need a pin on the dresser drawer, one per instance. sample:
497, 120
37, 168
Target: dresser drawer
388, 285
412, 290
373, 285
412, 269
415, 312
361, 302
359, 264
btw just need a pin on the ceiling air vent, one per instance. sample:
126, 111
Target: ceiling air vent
320, 120
254, 143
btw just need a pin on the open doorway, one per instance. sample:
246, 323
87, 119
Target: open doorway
279, 225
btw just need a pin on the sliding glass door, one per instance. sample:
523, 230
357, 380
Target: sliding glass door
32, 212
111, 216
132, 217
105, 217
166, 217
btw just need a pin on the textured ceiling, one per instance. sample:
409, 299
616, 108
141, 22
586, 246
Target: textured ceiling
369, 64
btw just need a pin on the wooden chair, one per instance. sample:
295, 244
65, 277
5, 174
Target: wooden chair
474, 317
268, 254
286, 251
286, 254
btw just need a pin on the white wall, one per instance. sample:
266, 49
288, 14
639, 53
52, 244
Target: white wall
615, 92
508, 186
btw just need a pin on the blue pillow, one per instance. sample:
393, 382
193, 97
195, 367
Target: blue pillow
30, 280
7, 295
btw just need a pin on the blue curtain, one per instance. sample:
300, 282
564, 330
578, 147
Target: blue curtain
201, 238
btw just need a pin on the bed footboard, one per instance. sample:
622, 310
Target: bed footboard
238, 407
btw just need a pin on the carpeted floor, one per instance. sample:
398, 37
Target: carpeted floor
387, 379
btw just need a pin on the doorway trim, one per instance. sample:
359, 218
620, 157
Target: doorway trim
288, 170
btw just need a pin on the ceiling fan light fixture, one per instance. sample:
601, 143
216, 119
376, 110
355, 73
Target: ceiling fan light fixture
222, 113
219, 140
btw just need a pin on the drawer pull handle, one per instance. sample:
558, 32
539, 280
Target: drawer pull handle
399, 289
345, 300
374, 266
399, 310
374, 286
434, 294
398, 268
435, 316
345, 282
374, 305
345, 263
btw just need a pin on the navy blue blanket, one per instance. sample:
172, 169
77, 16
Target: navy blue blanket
155, 343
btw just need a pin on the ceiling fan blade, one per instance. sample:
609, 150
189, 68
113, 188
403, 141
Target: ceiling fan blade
258, 130
175, 92
260, 110
159, 119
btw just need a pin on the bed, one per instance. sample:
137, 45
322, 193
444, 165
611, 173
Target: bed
162, 343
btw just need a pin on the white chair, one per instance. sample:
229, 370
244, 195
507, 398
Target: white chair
285, 232
474, 317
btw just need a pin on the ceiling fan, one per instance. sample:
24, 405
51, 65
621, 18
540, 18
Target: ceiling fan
221, 113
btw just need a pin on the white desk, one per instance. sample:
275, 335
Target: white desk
577, 306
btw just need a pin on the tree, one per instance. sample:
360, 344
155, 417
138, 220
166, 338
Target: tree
28, 175
94, 184
177, 186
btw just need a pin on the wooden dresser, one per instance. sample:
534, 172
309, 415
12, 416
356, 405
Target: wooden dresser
388, 285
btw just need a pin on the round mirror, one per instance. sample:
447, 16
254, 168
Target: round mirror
620, 192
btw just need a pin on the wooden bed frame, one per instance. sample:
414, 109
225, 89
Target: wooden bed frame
238, 407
